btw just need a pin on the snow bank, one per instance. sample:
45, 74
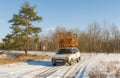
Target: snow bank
104, 66
2, 55
24, 70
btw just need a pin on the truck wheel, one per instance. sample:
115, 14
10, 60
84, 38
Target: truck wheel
71, 62
78, 60
54, 64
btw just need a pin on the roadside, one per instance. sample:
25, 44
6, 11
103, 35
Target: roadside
15, 57
101, 66
39, 68
92, 65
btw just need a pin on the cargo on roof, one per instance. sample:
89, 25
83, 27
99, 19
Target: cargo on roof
67, 39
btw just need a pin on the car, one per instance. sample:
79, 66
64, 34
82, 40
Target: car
66, 55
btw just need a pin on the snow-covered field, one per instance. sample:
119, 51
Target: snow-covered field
103, 66
91, 66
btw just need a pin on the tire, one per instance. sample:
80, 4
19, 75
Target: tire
78, 60
71, 62
54, 64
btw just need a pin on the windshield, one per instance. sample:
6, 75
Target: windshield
64, 51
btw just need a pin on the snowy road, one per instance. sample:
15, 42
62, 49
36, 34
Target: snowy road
43, 69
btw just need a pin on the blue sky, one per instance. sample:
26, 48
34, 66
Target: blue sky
67, 13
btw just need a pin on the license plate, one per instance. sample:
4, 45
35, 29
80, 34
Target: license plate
59, 60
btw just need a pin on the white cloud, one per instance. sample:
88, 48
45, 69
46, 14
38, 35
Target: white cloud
49, 29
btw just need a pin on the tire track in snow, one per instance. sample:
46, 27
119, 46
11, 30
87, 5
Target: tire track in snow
66, 72
76, 68
60, 73
81, 72
47, 72
72, 71
28, 72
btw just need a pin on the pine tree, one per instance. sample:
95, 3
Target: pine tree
22, 26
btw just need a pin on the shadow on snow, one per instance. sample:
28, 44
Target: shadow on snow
43, 63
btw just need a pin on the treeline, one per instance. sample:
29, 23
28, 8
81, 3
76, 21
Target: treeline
100, 39
95, 38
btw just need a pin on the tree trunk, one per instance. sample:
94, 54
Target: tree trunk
25, 52
26, 47
36, 47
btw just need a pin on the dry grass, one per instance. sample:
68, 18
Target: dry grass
96, 73
22, 58
109, 67
2, 52
117, 74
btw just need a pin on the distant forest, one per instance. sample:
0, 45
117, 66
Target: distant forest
95, 38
